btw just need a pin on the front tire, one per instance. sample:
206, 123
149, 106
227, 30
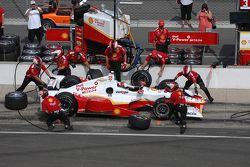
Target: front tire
68, 103
48, 24
139, 122
162, 108
69, 81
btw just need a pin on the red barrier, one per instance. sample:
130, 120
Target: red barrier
190, 38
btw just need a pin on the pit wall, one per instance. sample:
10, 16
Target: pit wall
231, 77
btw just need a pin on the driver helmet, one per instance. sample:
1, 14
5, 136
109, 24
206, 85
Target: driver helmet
154, 54
37, 61
77, 49
186, 70
113, 44
44, 93
161, 23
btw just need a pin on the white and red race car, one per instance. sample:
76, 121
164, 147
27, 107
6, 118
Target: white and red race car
105, 95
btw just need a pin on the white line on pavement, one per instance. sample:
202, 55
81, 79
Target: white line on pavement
125, 134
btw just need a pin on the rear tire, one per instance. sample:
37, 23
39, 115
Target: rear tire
68, 103
139, 122
162, 108
47, 24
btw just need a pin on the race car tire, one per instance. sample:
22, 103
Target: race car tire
161, 108
192, 62
16, 100
11, 56
68, 103
163, 84
141, 75
47, 24
32, 52
174, 61
11, 37
69, 81
94, 73
7, 46
18, 51
139, 122
33, 45
26, 58
193, 50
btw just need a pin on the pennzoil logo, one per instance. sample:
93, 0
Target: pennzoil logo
64, 35
91, 20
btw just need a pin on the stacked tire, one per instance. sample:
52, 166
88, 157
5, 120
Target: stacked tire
30, 50
48, 54
192, 56
9, 47
174, 55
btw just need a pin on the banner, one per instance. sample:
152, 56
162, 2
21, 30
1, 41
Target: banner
244, 40
245, 4
191, 38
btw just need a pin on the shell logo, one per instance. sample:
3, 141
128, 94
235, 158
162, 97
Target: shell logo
243, 42
91, 20
50, 100
64, 35
117, 111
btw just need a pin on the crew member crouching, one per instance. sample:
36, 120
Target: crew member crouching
157, 56
52, 106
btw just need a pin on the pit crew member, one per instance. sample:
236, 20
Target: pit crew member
51, 106
193, 78
32, 74
77, 55
62, 62
159, 57
161, 37
177, 99
115, 55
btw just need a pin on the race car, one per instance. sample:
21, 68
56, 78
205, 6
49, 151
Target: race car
105, 95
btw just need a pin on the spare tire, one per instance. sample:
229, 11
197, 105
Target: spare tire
26, 58
141, 75
193, 50
33, 45
53, 46
11, 56
32, 52
69, 81
192, 56
94, 73
7, 46
139, 122
192, 62
16, 100
11, 37
47, 59
175, 50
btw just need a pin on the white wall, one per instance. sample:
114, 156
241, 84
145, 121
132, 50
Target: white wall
234, 77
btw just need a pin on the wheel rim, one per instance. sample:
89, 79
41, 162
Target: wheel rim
66, 106
161, 110
46, 26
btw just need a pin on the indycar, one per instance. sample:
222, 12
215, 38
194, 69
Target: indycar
107, 96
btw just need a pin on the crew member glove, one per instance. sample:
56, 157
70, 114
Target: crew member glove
196, 91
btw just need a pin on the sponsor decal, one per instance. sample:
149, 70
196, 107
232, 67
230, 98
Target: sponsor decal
65, 35
117, 111
100, 23
90, 20
122, 92
50, 100
85, 89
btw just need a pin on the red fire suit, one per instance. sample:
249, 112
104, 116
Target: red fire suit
161, 39
114, 58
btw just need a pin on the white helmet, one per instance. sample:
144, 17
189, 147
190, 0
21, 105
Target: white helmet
82, 2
